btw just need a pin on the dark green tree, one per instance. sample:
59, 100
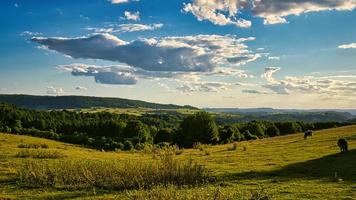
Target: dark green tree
200, 127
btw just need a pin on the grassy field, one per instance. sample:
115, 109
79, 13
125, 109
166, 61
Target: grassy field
286, 167
138, 111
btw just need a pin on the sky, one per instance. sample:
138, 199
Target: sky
206, 53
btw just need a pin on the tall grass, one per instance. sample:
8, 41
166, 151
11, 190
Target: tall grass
39, 153
111, 174
201, 193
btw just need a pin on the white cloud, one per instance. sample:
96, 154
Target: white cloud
249, 91
201, 53
225, 12
81, 88
138, 27
203, 86
215, 11
122, 28
268, 73
326, 85
118, 1
30, 34
135, 16
54, 91
275, 11
347, 46
84, 17
273, 58
115, 75
16, 5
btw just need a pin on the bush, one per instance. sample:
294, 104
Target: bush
164, 135
249, 136
272, 131
234, 147
230, 133
128, 145
33, 146
112, 174
139, 146
288, 127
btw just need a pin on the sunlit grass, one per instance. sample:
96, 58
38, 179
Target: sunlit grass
286, 167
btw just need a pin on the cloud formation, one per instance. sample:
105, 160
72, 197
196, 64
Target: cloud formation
201, 53
329, 85
225, 12
120, 1
122, 28
81, 88
115, 75
135, 16
347, 46
203, 86
54, 91
215, 11
268, 73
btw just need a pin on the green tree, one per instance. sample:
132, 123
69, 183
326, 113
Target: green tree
272, 131
137, 129
200, 127
164, 135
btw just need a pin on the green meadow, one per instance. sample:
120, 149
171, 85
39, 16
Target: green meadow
284, 167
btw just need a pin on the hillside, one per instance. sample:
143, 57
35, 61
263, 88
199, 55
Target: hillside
76, 102
285, 167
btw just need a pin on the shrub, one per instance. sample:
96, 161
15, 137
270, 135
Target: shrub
128, 145
234, 147
139, 146
272, 131
112, 174
33, 146
164, 135
249, 136
229, 134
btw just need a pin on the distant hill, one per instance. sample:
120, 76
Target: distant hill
76, 102
232, 115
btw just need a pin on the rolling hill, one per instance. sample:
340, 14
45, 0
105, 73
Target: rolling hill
286, 167
76, 102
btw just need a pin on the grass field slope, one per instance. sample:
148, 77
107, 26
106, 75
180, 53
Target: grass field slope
286, 167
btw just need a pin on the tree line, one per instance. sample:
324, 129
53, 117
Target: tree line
110, 131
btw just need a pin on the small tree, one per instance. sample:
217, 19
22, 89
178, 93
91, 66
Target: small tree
200, 127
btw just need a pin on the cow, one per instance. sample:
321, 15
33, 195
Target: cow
342, 143
308, 133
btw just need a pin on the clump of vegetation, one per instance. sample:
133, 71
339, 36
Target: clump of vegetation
42, 154
200, 146
112, 174
33, 146
233, 147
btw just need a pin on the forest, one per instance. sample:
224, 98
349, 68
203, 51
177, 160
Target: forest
110, 131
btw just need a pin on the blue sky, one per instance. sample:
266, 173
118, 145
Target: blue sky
222, 53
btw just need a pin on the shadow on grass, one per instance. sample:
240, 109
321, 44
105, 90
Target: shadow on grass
322, 168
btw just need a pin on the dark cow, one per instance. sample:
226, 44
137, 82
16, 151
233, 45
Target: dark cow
308, 133
342, 143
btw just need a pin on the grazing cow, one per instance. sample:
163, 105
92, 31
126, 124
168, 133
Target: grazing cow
308, 133
342, 143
